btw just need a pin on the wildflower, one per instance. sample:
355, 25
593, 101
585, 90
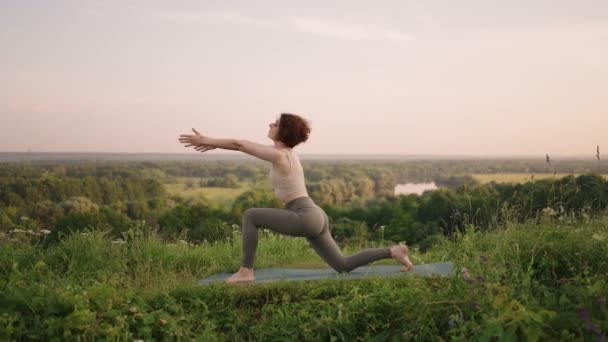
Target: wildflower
45, 231
466, 275
549, 211
587, 318
454, 320
451, 322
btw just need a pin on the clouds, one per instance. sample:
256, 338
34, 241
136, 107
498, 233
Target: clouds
344, 30
356, 28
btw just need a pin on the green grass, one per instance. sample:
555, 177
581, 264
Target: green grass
518, 177
529, 281
179, 187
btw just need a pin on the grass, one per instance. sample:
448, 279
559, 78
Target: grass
546, 281
179, 186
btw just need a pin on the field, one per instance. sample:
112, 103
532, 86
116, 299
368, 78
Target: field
180, 187
224, 196
528, 281
517, 177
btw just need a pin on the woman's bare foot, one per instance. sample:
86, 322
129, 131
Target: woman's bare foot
244, 275
400, 253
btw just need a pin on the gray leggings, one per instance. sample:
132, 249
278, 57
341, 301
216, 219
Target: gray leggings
303, 218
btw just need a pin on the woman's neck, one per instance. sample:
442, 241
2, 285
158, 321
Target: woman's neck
280, 145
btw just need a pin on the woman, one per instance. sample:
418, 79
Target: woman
301, 216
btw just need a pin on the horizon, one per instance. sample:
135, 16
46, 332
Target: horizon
236, 155
404, 78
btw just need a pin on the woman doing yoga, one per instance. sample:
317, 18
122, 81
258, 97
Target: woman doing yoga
301, 217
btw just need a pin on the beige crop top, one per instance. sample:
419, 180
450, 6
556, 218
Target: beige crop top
289, 186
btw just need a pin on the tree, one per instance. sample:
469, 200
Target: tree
230, 181
5, 220
78, 204
257, 198
74, 222
136, 210
118, 221
210, 229
47, 212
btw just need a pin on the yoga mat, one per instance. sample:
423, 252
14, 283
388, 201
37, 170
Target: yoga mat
265, 275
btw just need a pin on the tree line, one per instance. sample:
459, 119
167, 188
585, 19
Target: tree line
358, 198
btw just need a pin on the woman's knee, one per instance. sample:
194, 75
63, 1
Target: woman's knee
249, 215
341, 266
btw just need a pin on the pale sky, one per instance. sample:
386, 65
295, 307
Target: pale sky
374, 77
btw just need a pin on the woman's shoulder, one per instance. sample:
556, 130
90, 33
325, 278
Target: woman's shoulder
292, 154
289, 151
285, 157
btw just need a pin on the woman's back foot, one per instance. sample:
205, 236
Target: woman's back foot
244, 275
400, 253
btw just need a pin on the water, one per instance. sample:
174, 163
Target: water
414, 188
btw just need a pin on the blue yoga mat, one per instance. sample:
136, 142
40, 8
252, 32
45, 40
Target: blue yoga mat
266, 275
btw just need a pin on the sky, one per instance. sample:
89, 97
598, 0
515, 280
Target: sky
469, 77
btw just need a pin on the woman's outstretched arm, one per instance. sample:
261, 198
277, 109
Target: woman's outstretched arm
264, 152
226, 144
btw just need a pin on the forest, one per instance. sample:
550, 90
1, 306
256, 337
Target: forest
61, 198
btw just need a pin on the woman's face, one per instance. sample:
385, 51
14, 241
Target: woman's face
273, 131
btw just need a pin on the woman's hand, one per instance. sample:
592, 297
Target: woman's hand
191, 139
196, 140
203, 148
207, 143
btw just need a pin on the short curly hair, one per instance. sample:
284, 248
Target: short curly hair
293, 129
